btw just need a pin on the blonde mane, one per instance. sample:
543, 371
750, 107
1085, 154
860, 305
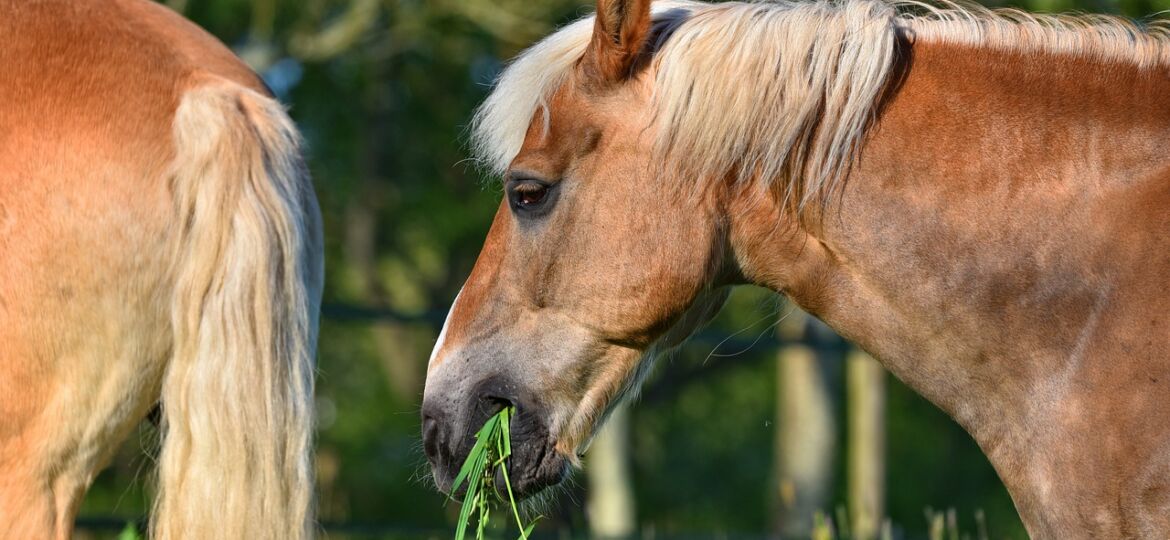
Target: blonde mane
784, 91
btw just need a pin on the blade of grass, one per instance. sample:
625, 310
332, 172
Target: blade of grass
492, 448
507, 433
481, 441
469, 499
512, 501
484, 515
527, 531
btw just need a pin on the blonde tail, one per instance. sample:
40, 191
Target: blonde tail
237, 397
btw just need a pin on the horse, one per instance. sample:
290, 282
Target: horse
980, 199
160, 242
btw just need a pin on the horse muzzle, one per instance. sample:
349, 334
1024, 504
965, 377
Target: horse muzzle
449, 425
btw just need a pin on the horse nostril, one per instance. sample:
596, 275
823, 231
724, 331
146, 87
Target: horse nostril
495, 394
489, 405
497, 402
432, 439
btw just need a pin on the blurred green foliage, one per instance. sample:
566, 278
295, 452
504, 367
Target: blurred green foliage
383, 91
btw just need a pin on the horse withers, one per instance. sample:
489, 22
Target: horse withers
159, 243
980, 199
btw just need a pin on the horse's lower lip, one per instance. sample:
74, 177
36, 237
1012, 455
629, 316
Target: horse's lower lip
530, 471
550, 469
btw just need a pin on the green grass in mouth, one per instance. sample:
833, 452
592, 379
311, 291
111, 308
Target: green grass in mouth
491, 451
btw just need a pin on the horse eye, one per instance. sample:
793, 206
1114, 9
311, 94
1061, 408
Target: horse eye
530, 194
531, 198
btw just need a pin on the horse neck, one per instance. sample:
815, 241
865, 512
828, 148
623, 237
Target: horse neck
973, 250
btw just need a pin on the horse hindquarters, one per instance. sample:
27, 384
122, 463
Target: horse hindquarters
105, 275
237, 397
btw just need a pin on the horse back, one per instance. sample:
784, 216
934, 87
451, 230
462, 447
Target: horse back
88, 94
98, 79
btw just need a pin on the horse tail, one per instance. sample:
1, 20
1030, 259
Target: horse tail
237, 396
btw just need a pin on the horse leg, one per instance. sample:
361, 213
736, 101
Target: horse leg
61, 426
26, 506
84, 334
26, 501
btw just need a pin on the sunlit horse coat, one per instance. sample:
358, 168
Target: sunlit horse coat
980, 199
159, 239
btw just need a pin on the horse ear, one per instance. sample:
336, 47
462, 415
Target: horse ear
619, 33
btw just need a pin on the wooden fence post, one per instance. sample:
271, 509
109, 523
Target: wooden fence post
611, 487
866, 401
805, 442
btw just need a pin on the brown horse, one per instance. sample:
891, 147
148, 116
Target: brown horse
159, 239
980, 199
